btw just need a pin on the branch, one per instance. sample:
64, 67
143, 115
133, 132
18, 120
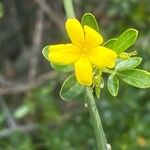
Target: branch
32, 127
10, 119
37, 39
4, 82
49, 11
23, 129
22, 88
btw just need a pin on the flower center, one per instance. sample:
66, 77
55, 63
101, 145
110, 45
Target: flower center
84, 49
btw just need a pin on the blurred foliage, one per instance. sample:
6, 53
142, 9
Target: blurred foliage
1, 10
66, 125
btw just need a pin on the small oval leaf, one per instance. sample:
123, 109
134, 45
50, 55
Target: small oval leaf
124, 41
89, 20
71, 89
45, 52
98, 86
110, 43
135, 77
22, 111
113, 85
128, 64
62, 68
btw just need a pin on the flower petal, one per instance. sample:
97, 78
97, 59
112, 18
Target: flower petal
83, 71
92, 38
102, 57
75, 31
63, 53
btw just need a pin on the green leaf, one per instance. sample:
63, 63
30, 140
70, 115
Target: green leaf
71, 89
45, 52
113, 85
98, 86
126, 40
135, 77
62, 68
128, 64
97, 91
110, 43
89, 20
1, 10
22, 111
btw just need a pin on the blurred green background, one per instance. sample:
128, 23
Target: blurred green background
32, 115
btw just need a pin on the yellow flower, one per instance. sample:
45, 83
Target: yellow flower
83, 51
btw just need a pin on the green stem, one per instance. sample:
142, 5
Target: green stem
68, 5
96, 121
108, 71
100, 136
